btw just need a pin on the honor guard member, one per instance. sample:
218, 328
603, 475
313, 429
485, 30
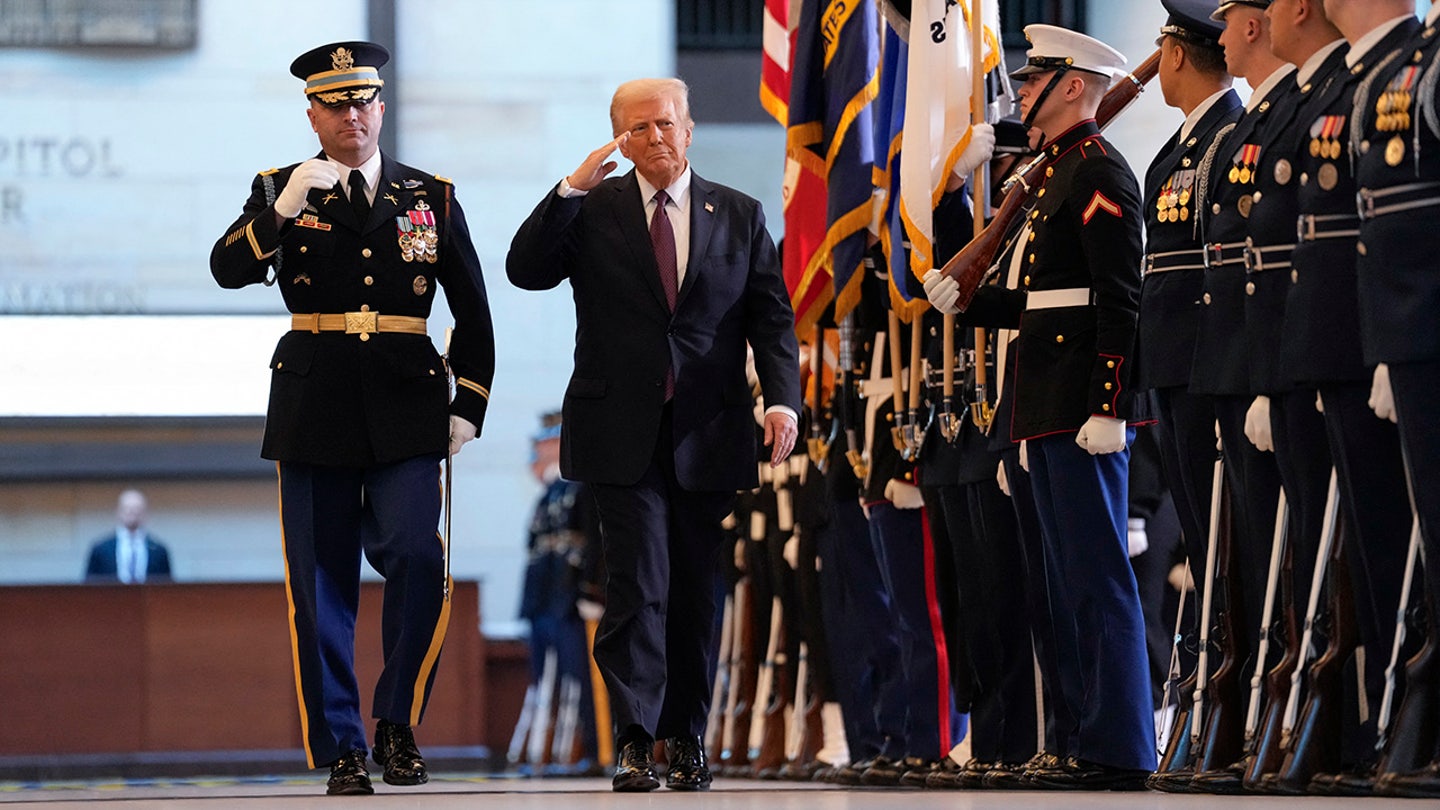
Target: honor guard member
360, 416
1076, 308
1193, 79
1221, 363
1397, 171
1320, 350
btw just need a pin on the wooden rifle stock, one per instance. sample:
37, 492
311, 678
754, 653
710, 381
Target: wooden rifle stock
1317, 735
972, 263
1410, 736
1224, 732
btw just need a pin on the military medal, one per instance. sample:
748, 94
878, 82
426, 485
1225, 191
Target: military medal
1393, 106
418, 240
420, 285
1324, 141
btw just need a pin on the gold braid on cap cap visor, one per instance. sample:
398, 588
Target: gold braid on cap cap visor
362, 94
331, 80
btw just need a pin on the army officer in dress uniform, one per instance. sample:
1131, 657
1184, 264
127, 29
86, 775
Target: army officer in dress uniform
1076, 304
360, 415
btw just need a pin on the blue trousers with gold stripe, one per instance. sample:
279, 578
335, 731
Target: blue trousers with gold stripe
329, 516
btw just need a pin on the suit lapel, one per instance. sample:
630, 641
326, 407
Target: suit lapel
702, 224
629, 212
390, 195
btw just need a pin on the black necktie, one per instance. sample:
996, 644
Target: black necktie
358, 203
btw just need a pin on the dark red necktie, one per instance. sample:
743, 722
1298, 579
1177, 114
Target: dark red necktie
662, 239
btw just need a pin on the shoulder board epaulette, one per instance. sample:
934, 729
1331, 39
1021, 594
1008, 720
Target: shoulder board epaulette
445, 180
268, 171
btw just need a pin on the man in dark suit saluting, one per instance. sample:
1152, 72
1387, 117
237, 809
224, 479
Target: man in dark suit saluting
672, 277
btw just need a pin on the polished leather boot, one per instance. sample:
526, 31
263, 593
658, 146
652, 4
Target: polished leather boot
688, 769
395, 751
1079, 774
348, 776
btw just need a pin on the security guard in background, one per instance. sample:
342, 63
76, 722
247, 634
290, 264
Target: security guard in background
1079, 295
1397, 170
360, 415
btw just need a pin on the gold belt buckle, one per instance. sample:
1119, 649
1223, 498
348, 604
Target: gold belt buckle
360, 323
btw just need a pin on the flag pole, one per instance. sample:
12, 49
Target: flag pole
981, 411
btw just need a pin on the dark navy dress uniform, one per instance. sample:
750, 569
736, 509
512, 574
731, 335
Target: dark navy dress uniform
358, 423
1302, 454
1221, 366
1072, 361
1169, 320
1397, 170
1320, 349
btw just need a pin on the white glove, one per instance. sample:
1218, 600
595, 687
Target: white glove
589, 611
313, 173
1002, 479
903, 495
1101, 434
1382, 397
1179, 577
1319, 403
1025, 455
740, 555
942, 291
791, 552
1136, 540
462, 430
1257, 425
978, 152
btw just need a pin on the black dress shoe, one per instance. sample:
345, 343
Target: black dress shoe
917, 770
945, 776
885, 772
395, 751
348, 776
1005, 776
851, 773
1079, 774
635, 770
688, 770
1419, 784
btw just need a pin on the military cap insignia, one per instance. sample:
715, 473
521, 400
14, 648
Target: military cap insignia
342, 59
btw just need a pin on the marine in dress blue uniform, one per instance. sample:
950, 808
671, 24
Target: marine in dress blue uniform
360, 416
1397, 170
1076, 308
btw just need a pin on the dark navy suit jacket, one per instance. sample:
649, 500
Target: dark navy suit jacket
101, 565
626, 336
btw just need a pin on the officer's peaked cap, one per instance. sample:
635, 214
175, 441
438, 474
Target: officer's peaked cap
1226, 5
1190, 20
1053, 48
342, 72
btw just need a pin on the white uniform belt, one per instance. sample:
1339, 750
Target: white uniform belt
1055, 299
1190, 259
1377, 202
1259, 258
1310, 227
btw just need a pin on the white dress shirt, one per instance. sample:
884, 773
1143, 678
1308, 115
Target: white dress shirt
370, 170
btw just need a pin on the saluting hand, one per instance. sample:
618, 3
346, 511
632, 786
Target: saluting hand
597, 165
780, 434
313, 173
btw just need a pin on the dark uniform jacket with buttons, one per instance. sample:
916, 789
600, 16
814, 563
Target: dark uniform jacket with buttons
1174, 266
1272, 233
1221, 365
1398, 271
1074, 362
1321, 342
626, 336
364, 398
